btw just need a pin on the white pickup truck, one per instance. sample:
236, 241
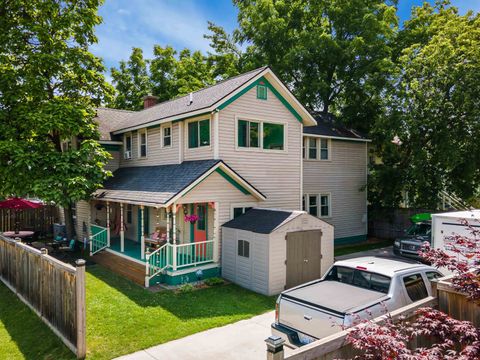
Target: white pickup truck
352, 289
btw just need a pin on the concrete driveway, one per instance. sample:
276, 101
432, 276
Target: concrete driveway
241, 340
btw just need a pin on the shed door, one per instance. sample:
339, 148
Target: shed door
303, 257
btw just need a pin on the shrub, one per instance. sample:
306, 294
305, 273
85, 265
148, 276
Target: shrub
186, 288
214, 281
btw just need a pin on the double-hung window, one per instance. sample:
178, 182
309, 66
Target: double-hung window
198, 133
317, 148
317, 205
248, 134
128, 146
324, 149
166, 136
312, 148
142, 143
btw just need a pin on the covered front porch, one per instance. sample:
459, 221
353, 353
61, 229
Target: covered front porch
165, 239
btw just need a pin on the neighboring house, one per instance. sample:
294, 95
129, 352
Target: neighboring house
184, 167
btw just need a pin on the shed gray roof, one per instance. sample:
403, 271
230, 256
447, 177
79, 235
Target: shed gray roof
262, 221
109, 119
328, 126
202, 99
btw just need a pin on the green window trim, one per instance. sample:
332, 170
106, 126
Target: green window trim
261, 91
198, 133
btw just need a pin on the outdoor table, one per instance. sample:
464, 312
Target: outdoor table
21, 234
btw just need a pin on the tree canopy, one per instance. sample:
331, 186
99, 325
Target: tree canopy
50, 85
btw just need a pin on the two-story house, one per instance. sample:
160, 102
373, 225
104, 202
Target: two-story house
184, 167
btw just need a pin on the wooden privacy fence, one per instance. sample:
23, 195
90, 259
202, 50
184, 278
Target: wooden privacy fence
55, 291
40, 219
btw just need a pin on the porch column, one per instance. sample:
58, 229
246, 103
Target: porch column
122, 230
142, 234
108, 224
174, 236
216, 234
168, 224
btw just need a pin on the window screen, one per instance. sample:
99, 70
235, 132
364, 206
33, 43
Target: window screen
243, 248
273, 137
415, 287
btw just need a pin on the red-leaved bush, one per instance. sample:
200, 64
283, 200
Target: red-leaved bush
450, 338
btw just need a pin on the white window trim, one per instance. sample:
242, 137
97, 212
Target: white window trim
162, 127
129, 134
318, 142
187, 147
260, 135
319, 204
139, 137
241, 205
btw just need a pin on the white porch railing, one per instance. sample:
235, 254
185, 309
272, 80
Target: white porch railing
98, 239
170, 256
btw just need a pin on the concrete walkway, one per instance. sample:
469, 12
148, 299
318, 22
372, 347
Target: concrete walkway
241, 340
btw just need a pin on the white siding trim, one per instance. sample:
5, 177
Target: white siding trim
216, 141
336, 137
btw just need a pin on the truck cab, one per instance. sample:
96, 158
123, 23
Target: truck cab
415, 236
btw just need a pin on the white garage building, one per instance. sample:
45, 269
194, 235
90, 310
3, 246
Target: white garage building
268, 250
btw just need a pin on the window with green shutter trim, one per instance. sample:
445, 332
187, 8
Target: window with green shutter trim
198, 133
273, 136
248, 133
262, 92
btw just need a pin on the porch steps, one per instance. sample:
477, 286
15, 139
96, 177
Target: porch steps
121, 266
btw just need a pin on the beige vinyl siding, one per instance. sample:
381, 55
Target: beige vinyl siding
216, 189
343, 177
83, 217
156, 154
277, 174
114, 163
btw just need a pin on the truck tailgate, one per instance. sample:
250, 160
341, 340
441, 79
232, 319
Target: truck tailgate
319, 309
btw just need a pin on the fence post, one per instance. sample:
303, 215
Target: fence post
275, 347
17, 263
80, 309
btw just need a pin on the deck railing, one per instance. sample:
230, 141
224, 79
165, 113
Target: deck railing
98, 238
170, 256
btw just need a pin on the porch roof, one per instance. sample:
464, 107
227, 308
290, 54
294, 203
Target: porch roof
162, 185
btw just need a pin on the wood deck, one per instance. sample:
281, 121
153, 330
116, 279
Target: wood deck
129, 269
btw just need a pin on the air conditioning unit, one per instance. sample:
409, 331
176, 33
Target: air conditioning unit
128, 155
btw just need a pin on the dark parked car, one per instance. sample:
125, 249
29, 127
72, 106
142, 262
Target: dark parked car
415, 236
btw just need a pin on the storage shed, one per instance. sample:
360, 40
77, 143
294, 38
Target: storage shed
269, 250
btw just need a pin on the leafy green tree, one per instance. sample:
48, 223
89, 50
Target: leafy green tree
433, 108
334, 54
132, 82
50, 85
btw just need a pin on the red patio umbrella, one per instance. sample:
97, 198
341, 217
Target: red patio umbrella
18, 204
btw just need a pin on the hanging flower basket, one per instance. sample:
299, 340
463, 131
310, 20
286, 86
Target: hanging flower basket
191, 218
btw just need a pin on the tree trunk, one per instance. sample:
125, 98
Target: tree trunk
69, 225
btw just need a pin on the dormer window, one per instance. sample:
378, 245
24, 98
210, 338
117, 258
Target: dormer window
262, 91
127, 146
142, 143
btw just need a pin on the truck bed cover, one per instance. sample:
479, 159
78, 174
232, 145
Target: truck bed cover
335, 296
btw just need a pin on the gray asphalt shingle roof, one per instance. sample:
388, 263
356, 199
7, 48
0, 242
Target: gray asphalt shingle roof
109, 119
202, 99
153, 184
327, 126
262, 221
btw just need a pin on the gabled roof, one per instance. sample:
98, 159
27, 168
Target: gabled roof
110, 119
210, 99
164, 184
327, 126
262, 221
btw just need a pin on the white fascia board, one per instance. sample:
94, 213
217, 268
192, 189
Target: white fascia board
335, 137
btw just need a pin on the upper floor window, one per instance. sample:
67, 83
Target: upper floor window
198, 133
248, 133
262, 92
316, 148
166, 136
273, 136
128, 146
142, 143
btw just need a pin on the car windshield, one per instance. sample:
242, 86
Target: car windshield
419, 229
360, 278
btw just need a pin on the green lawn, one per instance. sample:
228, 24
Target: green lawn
369, 245
23, 335
123, 317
